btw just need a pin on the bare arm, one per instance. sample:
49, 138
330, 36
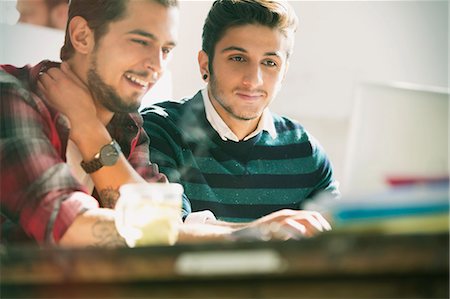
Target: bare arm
97, 228
286, 223
65, 91
280, 225
93, 228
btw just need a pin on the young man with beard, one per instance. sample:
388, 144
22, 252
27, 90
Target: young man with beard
63, 153
236, 160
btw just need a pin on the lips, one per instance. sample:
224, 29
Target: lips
250, 95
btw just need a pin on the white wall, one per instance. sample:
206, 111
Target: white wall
338, 44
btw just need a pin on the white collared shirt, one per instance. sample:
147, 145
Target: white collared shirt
265, 123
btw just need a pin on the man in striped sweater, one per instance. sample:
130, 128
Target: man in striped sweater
236, 160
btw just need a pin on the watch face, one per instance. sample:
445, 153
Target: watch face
109, 155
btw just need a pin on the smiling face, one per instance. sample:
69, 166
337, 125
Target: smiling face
247, 70
128, 60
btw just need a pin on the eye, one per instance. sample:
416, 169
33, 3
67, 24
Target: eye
140, 41
237, 58
166, 51
270, 63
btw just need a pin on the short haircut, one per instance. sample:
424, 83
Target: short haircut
99, 14
225, 14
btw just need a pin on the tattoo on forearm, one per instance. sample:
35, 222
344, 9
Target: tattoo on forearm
105, 232
108, 197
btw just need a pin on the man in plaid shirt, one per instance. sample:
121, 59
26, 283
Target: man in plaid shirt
113, 53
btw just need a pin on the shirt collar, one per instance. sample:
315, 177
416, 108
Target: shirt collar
265, 123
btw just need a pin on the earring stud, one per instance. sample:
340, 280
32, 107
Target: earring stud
205, 76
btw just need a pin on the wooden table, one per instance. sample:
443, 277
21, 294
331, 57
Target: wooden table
328, 266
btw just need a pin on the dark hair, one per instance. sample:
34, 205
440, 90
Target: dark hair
98, 14
225, 14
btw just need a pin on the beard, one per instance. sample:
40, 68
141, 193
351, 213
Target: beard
220, 99
106, 95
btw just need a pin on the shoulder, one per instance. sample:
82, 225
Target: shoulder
9, 79
163, 109
291, 130
173, 111
284, 123
14, 88
20, 82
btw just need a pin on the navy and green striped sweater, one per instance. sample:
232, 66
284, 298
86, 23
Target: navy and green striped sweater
237, 181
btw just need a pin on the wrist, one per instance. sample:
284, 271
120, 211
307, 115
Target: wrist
88, 132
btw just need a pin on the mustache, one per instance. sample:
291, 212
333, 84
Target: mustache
251, 91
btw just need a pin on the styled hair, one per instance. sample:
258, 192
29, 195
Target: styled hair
99, 14
225, 14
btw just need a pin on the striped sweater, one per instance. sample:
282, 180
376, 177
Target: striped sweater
237, 181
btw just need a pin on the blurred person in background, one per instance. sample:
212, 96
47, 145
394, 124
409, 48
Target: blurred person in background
48, 13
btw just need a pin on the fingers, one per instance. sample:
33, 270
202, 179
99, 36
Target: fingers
49, 80
57, 76
41, 87
294, 224
54, 73
44, 83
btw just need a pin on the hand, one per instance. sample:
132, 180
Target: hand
67, 93
285, 224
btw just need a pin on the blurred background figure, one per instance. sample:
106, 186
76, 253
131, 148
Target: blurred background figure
48, 13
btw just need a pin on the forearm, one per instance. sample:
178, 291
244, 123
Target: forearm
90, 136
95, 228
231, 225
203, 233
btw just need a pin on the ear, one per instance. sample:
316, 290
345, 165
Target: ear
59, 15
81, 36
203, 60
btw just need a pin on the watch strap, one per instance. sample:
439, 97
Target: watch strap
96, 163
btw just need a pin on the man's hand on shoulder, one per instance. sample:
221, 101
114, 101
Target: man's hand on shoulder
67, 93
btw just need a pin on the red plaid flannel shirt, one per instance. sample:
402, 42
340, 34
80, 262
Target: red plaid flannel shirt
39, 197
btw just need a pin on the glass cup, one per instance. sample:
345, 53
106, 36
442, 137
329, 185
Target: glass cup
149, 213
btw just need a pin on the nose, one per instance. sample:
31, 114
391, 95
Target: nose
154, 61
253, 76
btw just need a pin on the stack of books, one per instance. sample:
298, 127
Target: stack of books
409, 206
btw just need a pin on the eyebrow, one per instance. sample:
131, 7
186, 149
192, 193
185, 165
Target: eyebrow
235, 48
148, 35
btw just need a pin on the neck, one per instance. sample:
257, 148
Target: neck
103, 114
241, 128
80, 69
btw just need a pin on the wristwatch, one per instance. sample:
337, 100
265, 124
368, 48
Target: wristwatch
108, 155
